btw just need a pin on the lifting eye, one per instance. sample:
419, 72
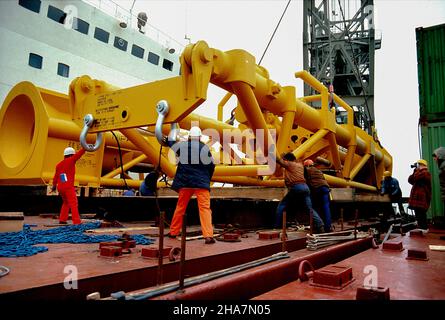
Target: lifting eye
88, 123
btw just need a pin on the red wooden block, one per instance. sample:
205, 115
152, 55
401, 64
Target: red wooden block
333, 276
152, 252
110, 244
231, 236
126, 244
111, 251
368, 293
393, 245
416, 233
417, 254
268, 235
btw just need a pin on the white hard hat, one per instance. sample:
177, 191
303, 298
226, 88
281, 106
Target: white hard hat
68, 151
195, 132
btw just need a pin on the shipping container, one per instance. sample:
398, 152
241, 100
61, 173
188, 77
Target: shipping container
431, 72
433, 137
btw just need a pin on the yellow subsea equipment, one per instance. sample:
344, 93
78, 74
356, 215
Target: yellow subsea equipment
131, 123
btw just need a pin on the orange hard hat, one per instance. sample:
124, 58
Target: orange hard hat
308, 163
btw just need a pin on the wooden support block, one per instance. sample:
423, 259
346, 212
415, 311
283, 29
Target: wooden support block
417, 254
366, 293
395, 245
152, 252
268, 235
333, 276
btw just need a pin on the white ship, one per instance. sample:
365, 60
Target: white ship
51, 42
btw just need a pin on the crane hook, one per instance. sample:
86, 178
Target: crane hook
88, 122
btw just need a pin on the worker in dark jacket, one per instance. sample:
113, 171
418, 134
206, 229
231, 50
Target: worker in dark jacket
420, 197
320, 190
439, 157
193, 175
391, 187
297, 187
148, 187
63, 180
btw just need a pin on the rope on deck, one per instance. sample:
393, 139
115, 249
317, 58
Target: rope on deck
21, 244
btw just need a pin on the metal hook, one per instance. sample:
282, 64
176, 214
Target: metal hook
88, 123
162, 108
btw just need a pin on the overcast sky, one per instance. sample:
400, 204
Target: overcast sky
249, 24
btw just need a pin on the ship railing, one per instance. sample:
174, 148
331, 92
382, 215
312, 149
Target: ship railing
123, 15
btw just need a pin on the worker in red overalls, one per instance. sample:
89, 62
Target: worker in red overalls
64, 180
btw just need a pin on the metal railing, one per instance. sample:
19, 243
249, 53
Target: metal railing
121, 14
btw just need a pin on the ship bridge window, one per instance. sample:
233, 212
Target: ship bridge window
153, 58
56, 14
33, 5
63, 70
120, 43
101, 35
167, 64
80, 25
137, 51
35, 61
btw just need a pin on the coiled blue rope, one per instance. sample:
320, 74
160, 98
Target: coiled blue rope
21, 244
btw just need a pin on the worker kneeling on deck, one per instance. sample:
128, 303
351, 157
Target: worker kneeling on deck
297, 187
390, 186
64, 182
193, 175
320, 190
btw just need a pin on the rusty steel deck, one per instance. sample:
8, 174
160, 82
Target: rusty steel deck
41, 276
279, 280
406, 279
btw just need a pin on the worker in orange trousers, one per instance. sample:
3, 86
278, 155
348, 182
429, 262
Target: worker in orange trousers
195, 169
64, 181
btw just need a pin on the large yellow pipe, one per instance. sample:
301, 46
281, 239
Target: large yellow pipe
298, 153
286, 127
126, 166
88, 180
360, 165
339, 182
149, 150
253, 113
65, 129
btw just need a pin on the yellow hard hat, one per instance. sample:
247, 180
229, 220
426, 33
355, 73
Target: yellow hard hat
423, 162
387, 174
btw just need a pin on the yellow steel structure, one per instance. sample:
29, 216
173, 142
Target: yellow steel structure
37, 124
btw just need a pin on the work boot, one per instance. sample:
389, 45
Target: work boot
63, 222
209, 241
171, 236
